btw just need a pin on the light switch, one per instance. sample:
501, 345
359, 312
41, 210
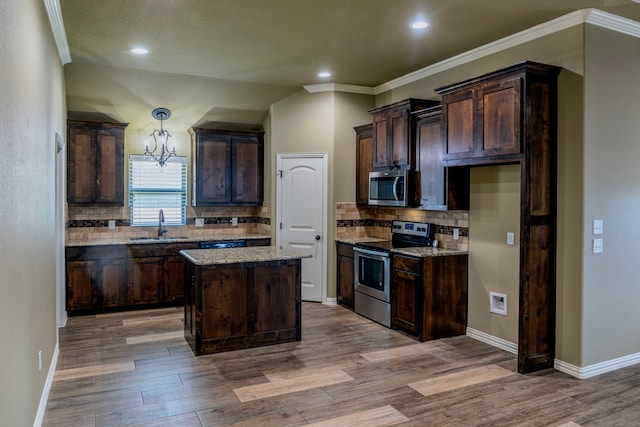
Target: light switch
234, 221
456, 233
598, 226
510, 238
112, 224
199, 222
598, 246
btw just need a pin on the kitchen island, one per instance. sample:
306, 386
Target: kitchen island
241, 298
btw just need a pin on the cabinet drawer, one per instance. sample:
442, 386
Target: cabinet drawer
407, 264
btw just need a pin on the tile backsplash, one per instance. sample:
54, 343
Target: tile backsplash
92, 223
364, 221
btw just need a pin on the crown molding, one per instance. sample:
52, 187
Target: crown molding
57, 26
590, 16
339, 87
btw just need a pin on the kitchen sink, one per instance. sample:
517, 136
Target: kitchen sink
165, 238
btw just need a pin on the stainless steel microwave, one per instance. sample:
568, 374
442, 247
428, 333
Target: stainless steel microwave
392, 188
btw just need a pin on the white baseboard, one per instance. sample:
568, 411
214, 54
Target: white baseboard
492, 340
597, 368
47, 387
331, 301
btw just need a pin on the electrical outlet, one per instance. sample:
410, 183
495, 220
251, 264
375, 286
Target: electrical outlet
510, 238
234, 221
112, 224
39, 360
456, 233
199, 222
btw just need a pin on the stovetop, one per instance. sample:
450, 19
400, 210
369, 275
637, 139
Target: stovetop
404, 234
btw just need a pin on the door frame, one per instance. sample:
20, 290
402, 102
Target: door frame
325, 170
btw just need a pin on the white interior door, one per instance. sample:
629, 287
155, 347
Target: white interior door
301, 216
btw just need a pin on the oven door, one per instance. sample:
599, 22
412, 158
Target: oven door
372, 273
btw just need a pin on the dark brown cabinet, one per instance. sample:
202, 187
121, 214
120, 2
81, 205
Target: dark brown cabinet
364, 162
440, 188
227, 167
242, 305
95, 163
96, 284
344, 273
429, 295
258, 242
145, 277
394, 134
510, 116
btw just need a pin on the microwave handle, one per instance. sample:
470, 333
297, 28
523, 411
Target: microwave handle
395, 188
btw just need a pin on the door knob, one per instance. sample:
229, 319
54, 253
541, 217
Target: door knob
318, 237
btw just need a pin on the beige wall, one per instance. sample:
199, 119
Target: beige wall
494, 266
32, 109
611, 291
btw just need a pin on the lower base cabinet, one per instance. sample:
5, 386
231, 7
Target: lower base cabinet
429, 295
344, 272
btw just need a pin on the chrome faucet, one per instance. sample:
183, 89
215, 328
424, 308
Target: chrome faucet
161, 231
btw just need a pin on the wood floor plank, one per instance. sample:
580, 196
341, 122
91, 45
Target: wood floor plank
90, 371
460, 379
176, 335
379, 417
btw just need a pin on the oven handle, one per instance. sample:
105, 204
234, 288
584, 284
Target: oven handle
370, 252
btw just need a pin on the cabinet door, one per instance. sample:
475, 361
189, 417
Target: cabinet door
406, 305
145, 275
247, 171
399, 138
499, 105
344, 268
432, 172
364, 162
458, 111
109, 167
381, 148
80, 285
81, 167
112, 283
213, 170
224, 299
173, 279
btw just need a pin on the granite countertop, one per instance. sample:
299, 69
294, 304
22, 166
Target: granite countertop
167, 239
241, 255
354, 240
428, 251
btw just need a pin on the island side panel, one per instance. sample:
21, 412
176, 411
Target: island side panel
277, 300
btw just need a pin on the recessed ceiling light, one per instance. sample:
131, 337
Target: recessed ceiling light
139, 50
419, 25
324, 74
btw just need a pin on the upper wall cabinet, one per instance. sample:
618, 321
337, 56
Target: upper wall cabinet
227, 167
364, 162
394, 143
95, 163
486, 119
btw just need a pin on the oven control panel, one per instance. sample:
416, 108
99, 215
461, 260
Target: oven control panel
411, 228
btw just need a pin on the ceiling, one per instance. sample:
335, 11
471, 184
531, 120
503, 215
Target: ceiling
224, 62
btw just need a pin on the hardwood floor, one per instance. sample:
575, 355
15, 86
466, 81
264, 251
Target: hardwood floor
135, 368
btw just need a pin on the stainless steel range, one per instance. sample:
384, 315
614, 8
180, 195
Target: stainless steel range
372, 268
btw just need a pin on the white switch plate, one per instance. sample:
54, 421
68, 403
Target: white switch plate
598, 226
199, 222
112, 224
234, 221
456, 233
510, 238
598, 246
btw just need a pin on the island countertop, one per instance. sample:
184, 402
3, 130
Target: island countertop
240, 255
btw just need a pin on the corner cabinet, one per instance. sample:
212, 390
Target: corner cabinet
394, 134
95, 163
440, 187
364, 162
228, 167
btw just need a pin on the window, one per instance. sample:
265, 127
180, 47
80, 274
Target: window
152, 188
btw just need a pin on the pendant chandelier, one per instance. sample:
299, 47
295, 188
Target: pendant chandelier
161, 138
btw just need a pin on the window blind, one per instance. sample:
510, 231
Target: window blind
152, 188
